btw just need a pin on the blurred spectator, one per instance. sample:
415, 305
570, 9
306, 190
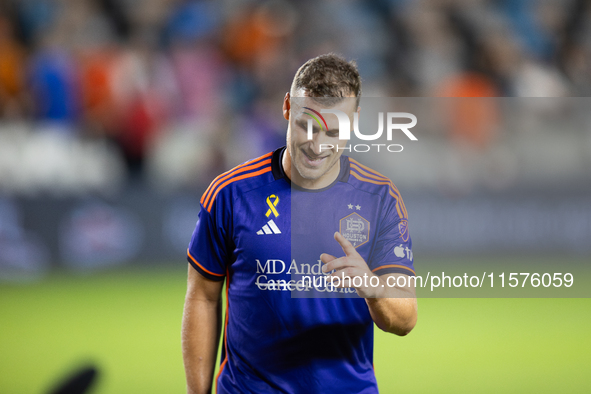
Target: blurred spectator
251, 34
145, 72
12, 78
96, 68
145, 94
471, 122
34, 17
54, 79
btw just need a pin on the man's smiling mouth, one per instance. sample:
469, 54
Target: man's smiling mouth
313, 160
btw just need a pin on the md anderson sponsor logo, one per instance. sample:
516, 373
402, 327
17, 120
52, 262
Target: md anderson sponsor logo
272, 275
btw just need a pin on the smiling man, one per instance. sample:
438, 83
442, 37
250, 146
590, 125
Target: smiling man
298, 318
314, 166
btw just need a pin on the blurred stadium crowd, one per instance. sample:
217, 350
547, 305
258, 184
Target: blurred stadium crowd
116, 114
97, 92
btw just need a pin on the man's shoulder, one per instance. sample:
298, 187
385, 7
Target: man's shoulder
250, 174
366, 178
370, 181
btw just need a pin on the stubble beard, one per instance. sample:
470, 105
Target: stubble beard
303, 171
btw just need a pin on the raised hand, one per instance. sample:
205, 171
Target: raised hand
351, 270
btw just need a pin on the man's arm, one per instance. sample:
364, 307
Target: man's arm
390, 310
393, 308
200, 333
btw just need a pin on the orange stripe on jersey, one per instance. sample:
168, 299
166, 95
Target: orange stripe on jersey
221, 369
225, 332
200, 266
353, 161
229, 173
394, 266
234, 179
401, 200
380, 183
376, 175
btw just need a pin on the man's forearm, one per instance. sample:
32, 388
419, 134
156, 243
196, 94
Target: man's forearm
395, 309
200, 338
395, 315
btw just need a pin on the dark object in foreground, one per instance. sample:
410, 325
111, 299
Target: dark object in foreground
78, 382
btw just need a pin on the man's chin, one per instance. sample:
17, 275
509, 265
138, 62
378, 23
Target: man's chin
310, 174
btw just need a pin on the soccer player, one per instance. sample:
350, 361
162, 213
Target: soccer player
278, 229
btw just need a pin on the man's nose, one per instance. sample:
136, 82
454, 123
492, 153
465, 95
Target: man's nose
319, 140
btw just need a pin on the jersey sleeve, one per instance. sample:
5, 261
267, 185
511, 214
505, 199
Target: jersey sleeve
208, 249
393, 248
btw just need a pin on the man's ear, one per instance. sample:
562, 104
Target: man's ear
286, 106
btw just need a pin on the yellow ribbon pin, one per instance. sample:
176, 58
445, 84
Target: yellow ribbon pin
272, 205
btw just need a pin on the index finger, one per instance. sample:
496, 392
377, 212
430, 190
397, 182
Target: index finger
348, 248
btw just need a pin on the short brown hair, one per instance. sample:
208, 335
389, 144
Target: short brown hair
328, 75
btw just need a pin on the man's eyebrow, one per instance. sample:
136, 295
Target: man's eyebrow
303, 123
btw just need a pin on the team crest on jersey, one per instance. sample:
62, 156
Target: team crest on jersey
355, 229
403, 228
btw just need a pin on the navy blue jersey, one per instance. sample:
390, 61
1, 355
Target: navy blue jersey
283, 333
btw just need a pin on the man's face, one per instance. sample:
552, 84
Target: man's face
313, 160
